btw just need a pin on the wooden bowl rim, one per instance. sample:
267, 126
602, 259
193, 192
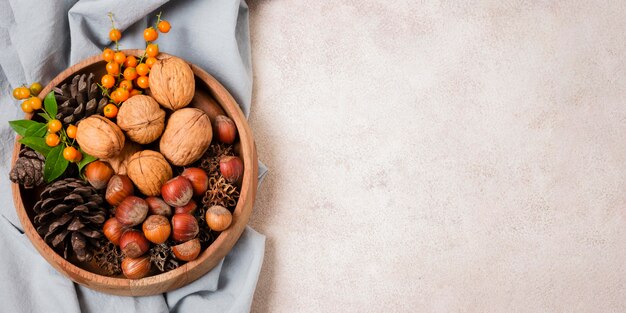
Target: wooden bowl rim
189, 271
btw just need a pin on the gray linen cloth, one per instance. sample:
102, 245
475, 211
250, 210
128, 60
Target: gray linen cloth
39, 39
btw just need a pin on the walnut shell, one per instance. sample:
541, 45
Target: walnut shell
142, 119
186, 137
120, 161
149, 171
100, 137
172, 83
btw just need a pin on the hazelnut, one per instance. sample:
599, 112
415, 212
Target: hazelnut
187, 251
158, 207
231, 167
177, 191
142, 119
118, 188
99, 137
187, 208
135, 268
98, 174
156, 228
172, 83
149, 171
133, 243
198, 178
113, 230
132, 211
218, 218
184, 227
224, 129
186, 137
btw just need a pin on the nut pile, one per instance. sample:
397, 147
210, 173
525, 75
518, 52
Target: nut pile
151, 179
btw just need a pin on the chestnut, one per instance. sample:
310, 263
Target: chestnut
198, 178
184, 227
218, 218
98, 174
224, 129
158, 206
132, 211
177, 191
118, 188
187, 208
133, 243
156, 228
113, 230
231, 167
135, 268
187, 251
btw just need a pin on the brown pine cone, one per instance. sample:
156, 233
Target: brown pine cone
79, 99
70, 216
28, 169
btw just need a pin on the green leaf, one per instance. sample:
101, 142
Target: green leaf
55, 164
50, 103
85, 160
37, 144
45, 116
37, 130
20, 126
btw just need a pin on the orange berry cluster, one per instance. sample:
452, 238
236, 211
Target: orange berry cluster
29, 95
126, 73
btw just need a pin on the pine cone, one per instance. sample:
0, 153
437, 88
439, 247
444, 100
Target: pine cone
80, 99
70, 216
28, 169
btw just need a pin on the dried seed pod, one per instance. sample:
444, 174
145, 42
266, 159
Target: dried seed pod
186, 137
142, 119
149, 171
100, 137
172, 83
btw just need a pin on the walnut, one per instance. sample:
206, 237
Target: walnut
142, 119
186, 137
149, 171
100, 137
172, 83
120, 161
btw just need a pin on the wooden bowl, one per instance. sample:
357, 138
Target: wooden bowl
209, 92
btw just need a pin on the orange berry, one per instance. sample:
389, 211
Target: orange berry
115, 34
131, 61
164, 26
150, 34
71, 154
126, 84
152, 50
54, 126
71, 131
26, 107
35, 88
143, 69
134, 92
122, 94
35, 103
108, 81
130, 73
150, 61
110, 110
113, 68
108, 55
53, 140
21, 93
119, 57
143, 82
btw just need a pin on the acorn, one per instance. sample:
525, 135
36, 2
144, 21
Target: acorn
198, 178
187, 251
133, 243
218, 218
184, 227
132, 211
118, 188
231, 167
135, 268
224, 129
156, 228
177, 191
98, 174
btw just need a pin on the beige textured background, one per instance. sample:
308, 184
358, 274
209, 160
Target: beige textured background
441, 156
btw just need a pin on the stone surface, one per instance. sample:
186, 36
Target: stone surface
443, 156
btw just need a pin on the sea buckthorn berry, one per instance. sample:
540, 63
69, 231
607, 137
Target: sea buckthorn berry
35, 103
35, 88
150, 34
164, 26
71, 154
131, 61
130, 73
150, 61
54, 126
135, 92
119, 57
21, 93
126, 84
123, 94
108, 54
143, 82
110, 110
26, 107
113, 68
53, 140
115, 34
108, 81
143, 69
152, 50
71, 131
